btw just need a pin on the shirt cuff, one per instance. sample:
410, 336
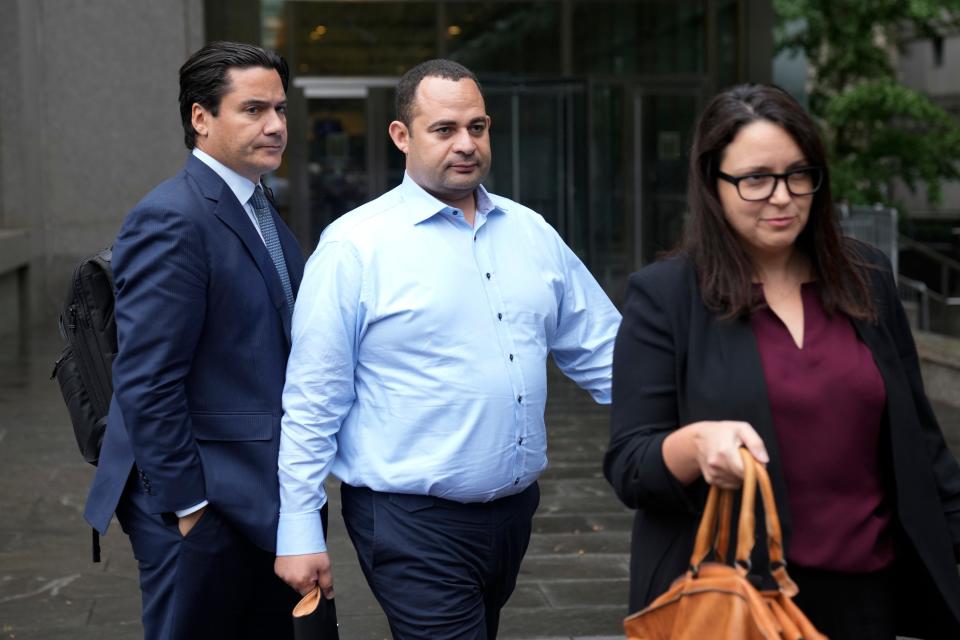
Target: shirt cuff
185, 512
300, 533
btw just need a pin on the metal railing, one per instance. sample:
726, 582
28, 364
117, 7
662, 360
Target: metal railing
874, 225
930, 309
915, 297
943, 316
949, 268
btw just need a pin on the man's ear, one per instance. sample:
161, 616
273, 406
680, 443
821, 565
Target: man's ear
400, 135
198, 118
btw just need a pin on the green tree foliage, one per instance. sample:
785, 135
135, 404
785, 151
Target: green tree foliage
876, 128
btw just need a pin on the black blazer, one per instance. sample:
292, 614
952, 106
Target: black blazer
675, 363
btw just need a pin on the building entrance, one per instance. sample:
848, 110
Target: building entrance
604, 163
592, 101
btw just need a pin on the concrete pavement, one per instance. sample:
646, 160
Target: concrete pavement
573, 582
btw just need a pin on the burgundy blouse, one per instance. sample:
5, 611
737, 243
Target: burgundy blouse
827, 401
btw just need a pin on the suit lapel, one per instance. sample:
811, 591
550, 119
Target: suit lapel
231, 213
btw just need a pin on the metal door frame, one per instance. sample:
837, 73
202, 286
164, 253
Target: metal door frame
563, 91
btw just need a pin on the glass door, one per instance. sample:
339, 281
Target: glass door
664, 119
336, 158
535, 132
341, 155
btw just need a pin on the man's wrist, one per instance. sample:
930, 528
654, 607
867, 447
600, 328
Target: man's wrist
300, 533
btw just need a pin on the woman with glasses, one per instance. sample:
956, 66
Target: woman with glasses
767, 329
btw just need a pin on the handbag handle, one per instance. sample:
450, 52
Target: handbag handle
714, 529
722, 543
747, 528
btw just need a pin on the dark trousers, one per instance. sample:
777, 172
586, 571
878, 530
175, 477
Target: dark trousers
847, 606
440, 569
213, 583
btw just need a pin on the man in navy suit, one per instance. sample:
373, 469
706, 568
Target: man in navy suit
206, 274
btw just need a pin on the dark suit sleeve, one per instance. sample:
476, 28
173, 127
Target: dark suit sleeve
944, 464
161, 279
645, 402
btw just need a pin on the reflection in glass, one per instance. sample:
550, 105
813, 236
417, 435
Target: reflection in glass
666, 134
337, 165
628, 37
500, 109
357, 38
728, 54
537, 135
610, 230
504, 38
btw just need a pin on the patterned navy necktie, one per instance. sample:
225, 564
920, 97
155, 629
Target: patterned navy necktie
269, 230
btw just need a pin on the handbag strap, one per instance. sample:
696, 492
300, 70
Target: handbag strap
705, 532
756, 474
714, 530
746, 531
778, 563
722, 543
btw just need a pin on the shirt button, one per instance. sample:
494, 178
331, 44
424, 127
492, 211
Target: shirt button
520, 441
511, 357
488, 275
517, 481
520, 399
499, 316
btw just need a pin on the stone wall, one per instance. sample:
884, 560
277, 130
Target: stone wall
88, 124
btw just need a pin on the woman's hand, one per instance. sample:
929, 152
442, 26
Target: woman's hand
711, 449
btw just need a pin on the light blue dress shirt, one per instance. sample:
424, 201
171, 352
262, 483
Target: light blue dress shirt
419, 354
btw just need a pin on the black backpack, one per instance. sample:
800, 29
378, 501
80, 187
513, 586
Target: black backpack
83, 370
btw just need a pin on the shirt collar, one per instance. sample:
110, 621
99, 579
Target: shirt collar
241, 187
423, 205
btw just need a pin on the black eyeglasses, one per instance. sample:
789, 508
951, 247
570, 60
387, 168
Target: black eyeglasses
760, 186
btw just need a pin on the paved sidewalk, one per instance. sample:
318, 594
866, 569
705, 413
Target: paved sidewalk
573, 583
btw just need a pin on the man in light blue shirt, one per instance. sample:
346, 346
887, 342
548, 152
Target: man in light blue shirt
418, 374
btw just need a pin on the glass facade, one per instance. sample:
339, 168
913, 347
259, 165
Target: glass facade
502, 39
639, 38
592, 102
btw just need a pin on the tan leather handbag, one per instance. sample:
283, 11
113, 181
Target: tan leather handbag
715, 600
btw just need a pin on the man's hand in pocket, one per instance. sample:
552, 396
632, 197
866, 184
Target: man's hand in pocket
189, 521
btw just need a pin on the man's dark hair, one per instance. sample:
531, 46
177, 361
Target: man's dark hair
438, 68
724, 268
204, 81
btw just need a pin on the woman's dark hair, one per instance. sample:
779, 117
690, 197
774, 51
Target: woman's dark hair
437, 68
204, 81
724, 268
